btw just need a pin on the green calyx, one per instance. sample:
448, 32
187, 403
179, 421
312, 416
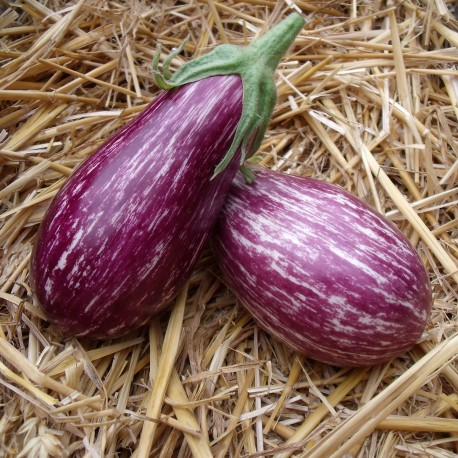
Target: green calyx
255, 64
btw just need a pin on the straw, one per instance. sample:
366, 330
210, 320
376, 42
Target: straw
367, 100
166, 362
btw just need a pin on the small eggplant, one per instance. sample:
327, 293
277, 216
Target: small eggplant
320, 270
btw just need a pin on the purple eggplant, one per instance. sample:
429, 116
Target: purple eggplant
321, 270
124, 233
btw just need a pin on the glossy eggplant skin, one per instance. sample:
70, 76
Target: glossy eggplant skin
124, 233
320, 270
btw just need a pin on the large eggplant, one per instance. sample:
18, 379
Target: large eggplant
124, 233
321, 270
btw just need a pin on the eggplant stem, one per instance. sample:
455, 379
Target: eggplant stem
160, 79
165, 66
255, 64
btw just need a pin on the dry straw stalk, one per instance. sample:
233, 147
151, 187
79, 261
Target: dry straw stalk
368, 99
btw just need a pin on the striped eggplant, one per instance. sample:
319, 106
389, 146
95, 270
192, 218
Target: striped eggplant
125, 231
321, 270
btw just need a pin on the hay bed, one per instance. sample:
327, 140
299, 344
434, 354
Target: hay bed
368, 99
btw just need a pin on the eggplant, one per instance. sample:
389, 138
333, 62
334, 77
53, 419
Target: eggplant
321, 270
124, 233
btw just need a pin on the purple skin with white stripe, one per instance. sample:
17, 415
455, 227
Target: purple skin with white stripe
321, 270
124, 233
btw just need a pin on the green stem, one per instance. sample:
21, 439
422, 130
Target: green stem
256, 65
273, 45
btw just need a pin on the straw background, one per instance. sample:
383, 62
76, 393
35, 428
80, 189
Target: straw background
368, 99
